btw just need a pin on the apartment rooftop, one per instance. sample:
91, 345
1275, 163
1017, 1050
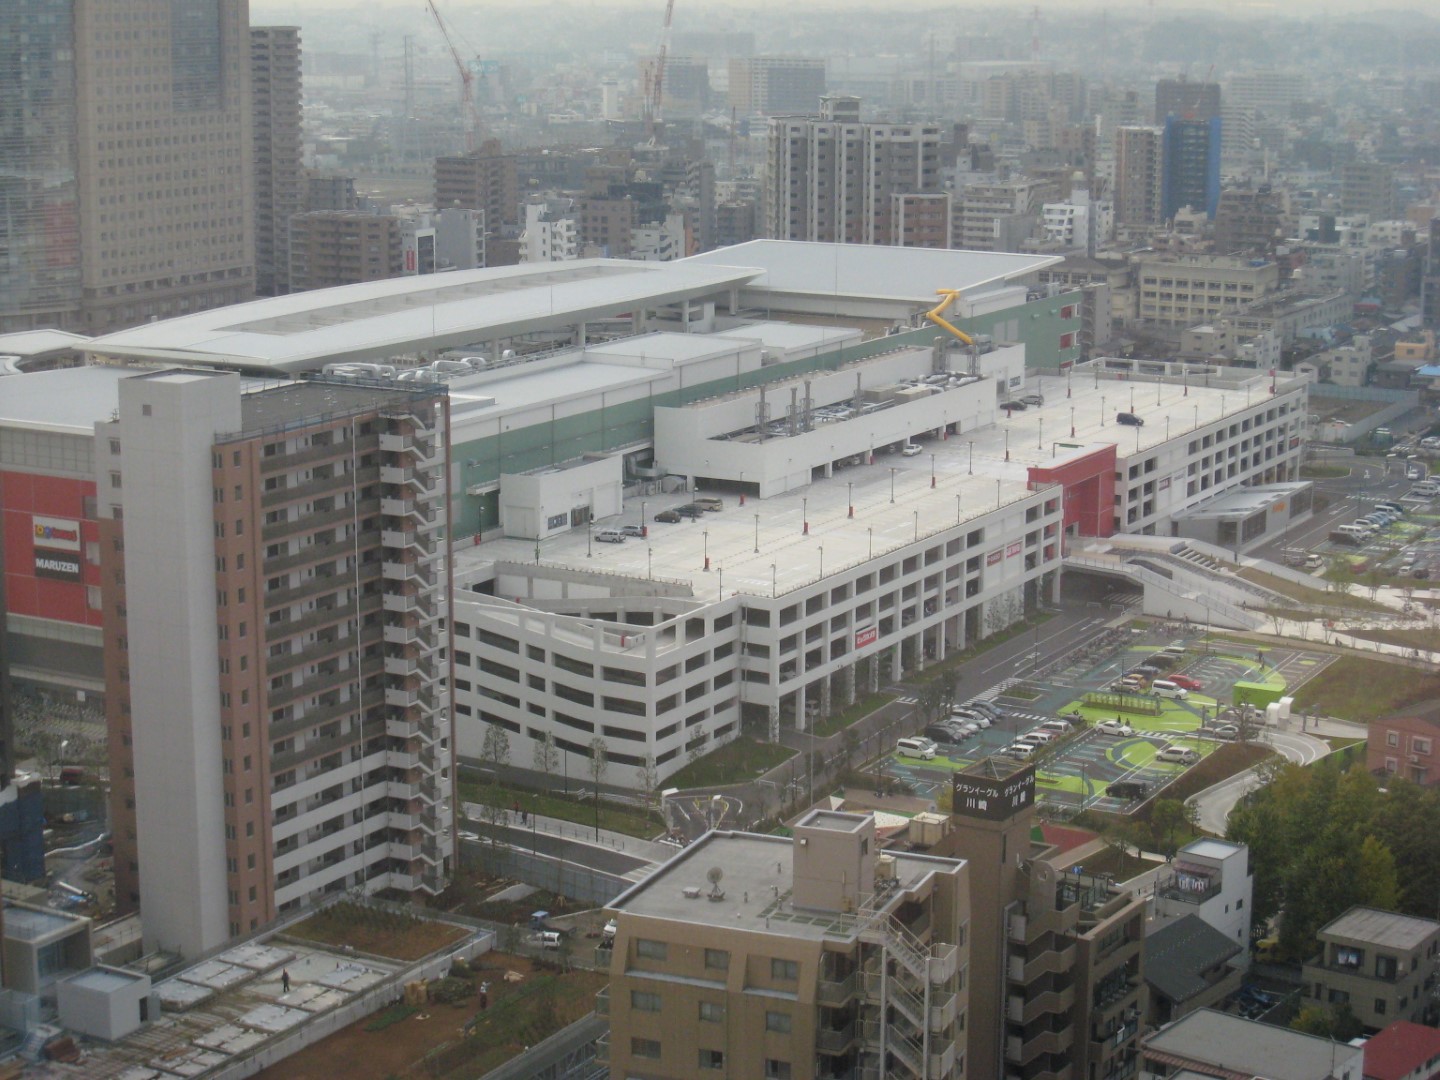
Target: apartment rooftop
754, 889
66, 401
1387, 929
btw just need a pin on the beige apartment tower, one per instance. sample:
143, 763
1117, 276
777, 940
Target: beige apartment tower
275, 647
1057, 985
814, 957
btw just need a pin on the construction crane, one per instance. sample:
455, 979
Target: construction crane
656, 87
467, 82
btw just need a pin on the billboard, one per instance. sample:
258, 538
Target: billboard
57, 548
994, 799
59, 565
866, 636
56, 533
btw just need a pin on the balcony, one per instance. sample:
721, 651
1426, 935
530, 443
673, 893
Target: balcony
602, 1001
835, 1040
1018, 1010
833, 992
1049, 962
407, 571
1019, 1050
402, 665
943, 1014
943, 1062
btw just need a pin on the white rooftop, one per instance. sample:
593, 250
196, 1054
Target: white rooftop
380, 319
894, 273
66, 400
34, 342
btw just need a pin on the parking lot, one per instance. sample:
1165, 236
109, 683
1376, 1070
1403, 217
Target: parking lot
1077, 770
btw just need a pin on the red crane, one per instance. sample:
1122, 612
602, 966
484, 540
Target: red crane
656, 87
467, 83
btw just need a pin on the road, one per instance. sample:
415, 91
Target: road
1350, 496
1213, 805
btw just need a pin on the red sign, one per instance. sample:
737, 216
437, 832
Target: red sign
1013, 549
868, 636
994, 557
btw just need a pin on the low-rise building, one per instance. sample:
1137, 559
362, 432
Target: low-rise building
1193, 289
1403, 1051
1211, 1043
1189, 965
1381, 964
1211, 879
1407, 747
804, 958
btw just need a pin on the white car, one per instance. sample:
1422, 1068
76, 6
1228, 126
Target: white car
1114, 727
910, 449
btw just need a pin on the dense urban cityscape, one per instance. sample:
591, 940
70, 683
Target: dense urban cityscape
645, 541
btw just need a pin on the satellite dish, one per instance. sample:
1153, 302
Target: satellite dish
713, 875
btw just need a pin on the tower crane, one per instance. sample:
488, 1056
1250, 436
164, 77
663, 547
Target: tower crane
468, 110
656, 87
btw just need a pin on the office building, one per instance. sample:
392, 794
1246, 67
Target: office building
1381, 964
279, 175
812, 957
1187, 290
768, 85
108, 224
1186, 100
1057, 957
1249, 220
329, 248
274, 603
1270, 93
1209, 1043
1139, 176
1191, 166
833, 179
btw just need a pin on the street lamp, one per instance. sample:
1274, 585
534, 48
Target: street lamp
892, 483
871, 531
1040, 435
957, 509
1072, 421
757, 534
821, 548
972, 457
589, 540
705, 547
1102, 410
805, 516
720, 580
649, 561
774, 589
932, 470
917, 524
850, 497
644, 529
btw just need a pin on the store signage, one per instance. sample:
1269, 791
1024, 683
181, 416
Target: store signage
56, 533
866, 636
1013, 549
994, 557
57, 565
993, 798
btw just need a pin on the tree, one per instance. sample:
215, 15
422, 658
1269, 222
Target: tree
648, 775
1167, 819
599, 763
936, 699
547, 757
496, 747
1121, 837
1378, 883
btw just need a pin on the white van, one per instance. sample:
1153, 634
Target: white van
916, 747
609, 536
1166, 688
1428, 488
1039, 737
1019, 750
1355, 532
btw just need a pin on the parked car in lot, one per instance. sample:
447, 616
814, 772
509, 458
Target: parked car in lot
690, 510
1186, 682
633, 530
1114, 727
609, 536
988, 708
1129, 419
1181, 755
1128, 789
669, 517
911, 449
943, 733
1019, 750
1032, 399
916, 747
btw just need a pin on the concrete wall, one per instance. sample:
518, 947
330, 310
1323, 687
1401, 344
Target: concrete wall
536, 505
108, 1014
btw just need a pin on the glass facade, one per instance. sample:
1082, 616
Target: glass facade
39, 219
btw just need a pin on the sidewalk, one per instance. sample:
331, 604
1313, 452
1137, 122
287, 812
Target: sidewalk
581, 834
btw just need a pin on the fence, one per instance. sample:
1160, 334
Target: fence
580, 883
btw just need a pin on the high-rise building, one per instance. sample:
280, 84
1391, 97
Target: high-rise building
1248, 219
1191, 166
125, 161
279, 175
775, 84
1057, 965
1268, 92
1139, 175
832, 179
1187, 100
486, 180
274, 612
1368, 187
329, 248
807, 957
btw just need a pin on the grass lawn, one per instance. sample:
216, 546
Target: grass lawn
1361, 689
1323, 472
1306, 595
381, 933
628, 820
839, 721
735, 762
1424, 638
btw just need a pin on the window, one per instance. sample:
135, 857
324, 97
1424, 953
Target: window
1385, 968
778, 1022
644, 1001
644, 1048
1380, 1006
650, 950
1419, 745
712, 1059
1392, 738
712, 1012
784, 970
777, 1070
717, 960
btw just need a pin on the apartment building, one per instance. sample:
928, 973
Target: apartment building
1208, 1042
279, 175
833, 178
812, 957
1191, 167
921, 220
1381, 964
274, 604
1139, 182
1190, 289
330, 248
485, 180
1187, 100
999, 216
1057, 957
1405, 746
1249, 219
107, 223
1368, 188
767, 85
1210, 879
551, 233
